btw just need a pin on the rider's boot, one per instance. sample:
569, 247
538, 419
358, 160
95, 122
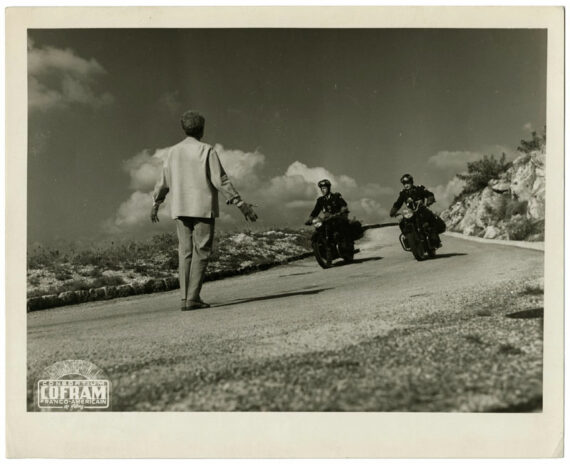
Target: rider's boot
328, 255
435, 240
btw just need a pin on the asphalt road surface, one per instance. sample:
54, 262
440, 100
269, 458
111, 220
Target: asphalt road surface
281, 320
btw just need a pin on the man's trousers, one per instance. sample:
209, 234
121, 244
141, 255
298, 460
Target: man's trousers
195, 238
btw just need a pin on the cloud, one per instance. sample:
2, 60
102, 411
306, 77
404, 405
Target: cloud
456, 160
134, 213
242, 167
445, 193
374, 190
296, 190
59, 78
369, 207
304, 204
283, 200
144, 168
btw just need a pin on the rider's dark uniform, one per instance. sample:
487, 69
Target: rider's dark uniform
417, 193
331, 204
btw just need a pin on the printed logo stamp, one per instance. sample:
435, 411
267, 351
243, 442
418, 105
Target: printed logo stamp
73, 385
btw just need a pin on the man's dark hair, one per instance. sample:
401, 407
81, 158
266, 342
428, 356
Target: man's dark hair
193, 123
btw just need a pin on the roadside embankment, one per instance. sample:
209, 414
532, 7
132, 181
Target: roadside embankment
150, 286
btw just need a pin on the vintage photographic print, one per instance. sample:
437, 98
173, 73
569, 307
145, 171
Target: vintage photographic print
289, 219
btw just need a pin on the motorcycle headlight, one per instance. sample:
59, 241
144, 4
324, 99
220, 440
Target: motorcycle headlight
318, 224
408, 214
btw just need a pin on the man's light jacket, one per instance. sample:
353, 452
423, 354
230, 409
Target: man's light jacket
193, 175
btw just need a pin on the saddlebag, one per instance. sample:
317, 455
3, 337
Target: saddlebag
356, 230
439, 224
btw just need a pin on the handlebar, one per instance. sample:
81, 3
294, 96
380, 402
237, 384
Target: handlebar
415, 205
335, 215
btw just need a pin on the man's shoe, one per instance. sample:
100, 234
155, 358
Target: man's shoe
192, 305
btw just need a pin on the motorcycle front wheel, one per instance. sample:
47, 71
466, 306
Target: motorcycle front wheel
320, 251
346, 251
416, 246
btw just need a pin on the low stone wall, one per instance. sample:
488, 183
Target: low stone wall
150, 286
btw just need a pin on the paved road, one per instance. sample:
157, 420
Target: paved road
289, 310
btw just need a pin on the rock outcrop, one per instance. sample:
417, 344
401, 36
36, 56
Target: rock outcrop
510, 207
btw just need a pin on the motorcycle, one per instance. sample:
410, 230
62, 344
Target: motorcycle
334, 238
417, 235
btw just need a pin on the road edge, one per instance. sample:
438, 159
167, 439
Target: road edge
539, 246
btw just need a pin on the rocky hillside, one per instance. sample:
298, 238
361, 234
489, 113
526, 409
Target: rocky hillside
510, 206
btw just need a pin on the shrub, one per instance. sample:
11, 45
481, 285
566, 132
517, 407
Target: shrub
61, 273
498, 212
521, 228
506, 208
87, 257
537, 143
95, 272
42, 257
480, 172
164, 241
71, 285
105, 281
172, 262
140, 268
75, 284
515, 207
35, 293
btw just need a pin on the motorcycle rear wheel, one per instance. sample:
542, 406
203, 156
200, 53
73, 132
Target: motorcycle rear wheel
320, 251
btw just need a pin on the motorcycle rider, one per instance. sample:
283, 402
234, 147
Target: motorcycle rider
334, 208
329, 203
418, 193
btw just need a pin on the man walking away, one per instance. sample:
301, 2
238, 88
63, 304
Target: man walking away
193, 174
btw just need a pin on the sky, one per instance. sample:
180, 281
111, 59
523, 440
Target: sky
284, 108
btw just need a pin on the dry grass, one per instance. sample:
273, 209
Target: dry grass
54, 270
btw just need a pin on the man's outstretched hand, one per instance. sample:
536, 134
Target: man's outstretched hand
247, 211
154, 213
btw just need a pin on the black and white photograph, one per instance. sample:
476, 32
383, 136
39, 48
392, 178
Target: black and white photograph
287, 219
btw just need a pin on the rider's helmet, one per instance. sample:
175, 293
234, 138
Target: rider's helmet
407, 179
324, 183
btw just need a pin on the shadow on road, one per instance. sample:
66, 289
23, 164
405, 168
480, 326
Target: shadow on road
449, 255
363, 260
357, 261
297, 274
271, 297
527, 314
532, 405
